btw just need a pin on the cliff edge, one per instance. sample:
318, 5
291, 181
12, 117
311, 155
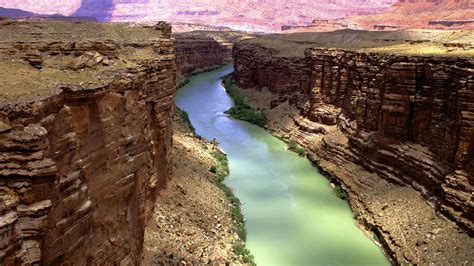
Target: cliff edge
389, 117
85, 138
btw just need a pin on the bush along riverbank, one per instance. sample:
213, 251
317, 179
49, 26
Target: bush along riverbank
221, 171
241, 109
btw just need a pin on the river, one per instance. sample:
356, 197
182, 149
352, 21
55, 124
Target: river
292, 215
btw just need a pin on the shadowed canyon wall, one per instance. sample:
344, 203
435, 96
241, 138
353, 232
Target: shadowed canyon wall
202, 50
80, 165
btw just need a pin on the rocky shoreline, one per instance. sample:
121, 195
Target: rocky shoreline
192, 221
389, 213
393, 170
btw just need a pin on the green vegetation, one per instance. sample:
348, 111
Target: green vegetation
213, 169
340, 193
242, 110
295, 147
185, 117
183, 83
240, 250
221, 172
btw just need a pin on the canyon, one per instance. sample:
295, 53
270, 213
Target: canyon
286, 16
239, 15
92, 147
414, 14
403, 14
199, 51
85, 139
392, 126
97, 166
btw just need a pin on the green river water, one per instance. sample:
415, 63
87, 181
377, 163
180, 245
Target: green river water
292, 215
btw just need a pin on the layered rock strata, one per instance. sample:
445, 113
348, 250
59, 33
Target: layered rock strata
83, 151
192, 222
389, 128
201, 50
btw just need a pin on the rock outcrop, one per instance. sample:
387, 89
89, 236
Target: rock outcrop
254, 15
202, 50
421, 14
414, 119
82, 151
385, 126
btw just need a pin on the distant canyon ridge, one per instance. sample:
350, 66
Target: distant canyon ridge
266, 15
256, 15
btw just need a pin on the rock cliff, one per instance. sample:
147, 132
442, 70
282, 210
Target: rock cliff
201, 50
251, 15
83, 149
384, 125
421, 14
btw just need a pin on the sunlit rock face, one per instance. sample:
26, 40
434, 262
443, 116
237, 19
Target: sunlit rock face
426, 14
250, 14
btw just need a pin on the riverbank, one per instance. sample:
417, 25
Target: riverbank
396, 216
284, 195
194, 220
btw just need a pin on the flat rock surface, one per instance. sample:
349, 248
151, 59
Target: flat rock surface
38, 57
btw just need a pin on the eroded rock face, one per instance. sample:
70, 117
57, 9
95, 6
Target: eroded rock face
197, 51
397, 103
381, 125
240, 15
80, 168
200, 52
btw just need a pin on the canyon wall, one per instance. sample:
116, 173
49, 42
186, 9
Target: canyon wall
201, 50
197, 52
82, 162
414, 119
414, 115
252, 15
421, 14
378, 123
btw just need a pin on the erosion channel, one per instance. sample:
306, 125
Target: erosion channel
292, 215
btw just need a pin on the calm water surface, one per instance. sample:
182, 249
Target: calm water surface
293, 217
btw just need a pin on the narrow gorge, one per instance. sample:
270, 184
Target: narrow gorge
395, 129
117, 145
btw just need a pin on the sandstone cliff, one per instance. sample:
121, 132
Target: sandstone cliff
384, 125
421, 14
254, 15
85, 138
201, 50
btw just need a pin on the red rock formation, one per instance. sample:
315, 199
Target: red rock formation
407, 120
412, 100
80, 166
427, 14
201, 50
241, 15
